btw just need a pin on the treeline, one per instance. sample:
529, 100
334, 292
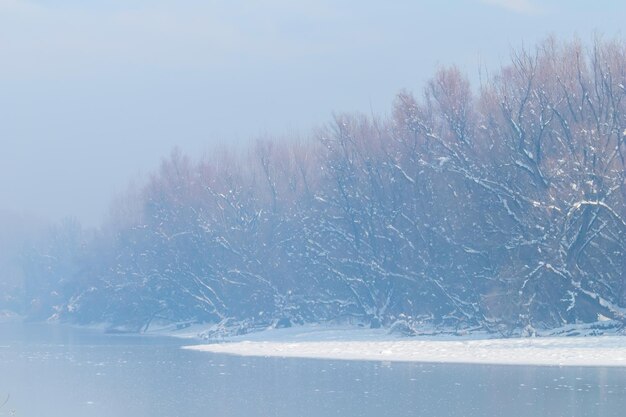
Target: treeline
501, 206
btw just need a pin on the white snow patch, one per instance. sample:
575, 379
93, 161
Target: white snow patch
7, 316
377, 345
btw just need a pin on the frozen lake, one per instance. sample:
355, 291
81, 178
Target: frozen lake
56, 371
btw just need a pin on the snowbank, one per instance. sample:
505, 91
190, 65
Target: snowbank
7, 316
378, 345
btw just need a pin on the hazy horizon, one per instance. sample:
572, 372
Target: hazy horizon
96, 94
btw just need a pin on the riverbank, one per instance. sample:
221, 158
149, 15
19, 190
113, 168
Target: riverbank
601, 344
350, 343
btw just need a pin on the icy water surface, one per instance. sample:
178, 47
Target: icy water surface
52, 371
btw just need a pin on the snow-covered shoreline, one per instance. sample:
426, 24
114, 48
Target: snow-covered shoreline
595, 344
378, 345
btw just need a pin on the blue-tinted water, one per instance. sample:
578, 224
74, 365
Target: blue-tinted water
62, 372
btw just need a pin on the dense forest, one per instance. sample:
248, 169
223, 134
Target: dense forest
500, 206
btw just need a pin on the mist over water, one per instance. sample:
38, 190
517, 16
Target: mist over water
80, 373
450, 166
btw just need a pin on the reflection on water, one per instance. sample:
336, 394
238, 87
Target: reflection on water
56, 371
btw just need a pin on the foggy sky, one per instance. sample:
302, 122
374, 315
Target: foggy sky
93, 95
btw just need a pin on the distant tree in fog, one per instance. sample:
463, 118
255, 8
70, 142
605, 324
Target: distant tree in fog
501, 207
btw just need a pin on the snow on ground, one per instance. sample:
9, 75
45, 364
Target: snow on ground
378, 345
7, 316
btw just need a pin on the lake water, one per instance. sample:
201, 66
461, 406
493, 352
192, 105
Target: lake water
55, 371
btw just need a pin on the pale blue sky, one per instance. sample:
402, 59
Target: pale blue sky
94, 93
